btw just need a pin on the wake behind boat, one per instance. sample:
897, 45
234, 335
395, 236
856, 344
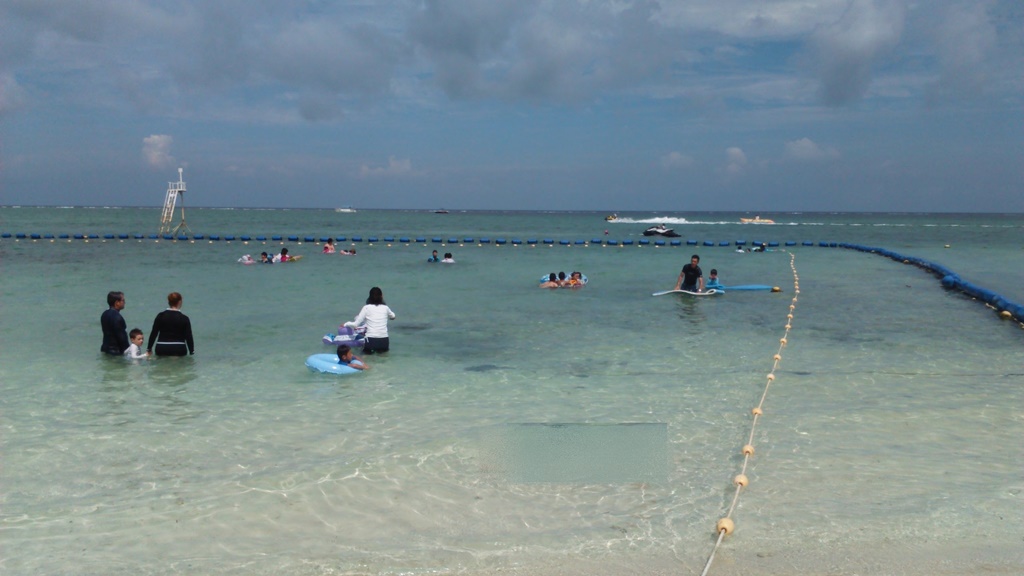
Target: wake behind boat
756, 220
661, 230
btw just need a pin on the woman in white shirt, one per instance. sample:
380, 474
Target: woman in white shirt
374, 316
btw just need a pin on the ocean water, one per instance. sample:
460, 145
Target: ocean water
513, 429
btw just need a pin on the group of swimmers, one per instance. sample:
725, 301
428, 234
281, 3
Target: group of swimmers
691, 278
171, 334
448, 259
329, 249
560, 280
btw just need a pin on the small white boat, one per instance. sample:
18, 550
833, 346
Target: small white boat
756, 220
345, 210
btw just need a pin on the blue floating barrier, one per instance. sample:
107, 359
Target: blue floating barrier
627, 242
122, 236
276, 238
613, 242
691, 242
421, 239
389, 238
94, 236
453, 240
154, 237
823, 244
244, 238
198, 237
339, 239
308, 239
215, 237
436, 240
229, 237
516, 241
580, 242
5, 235
168, 237
725, 243
50, 236
790, 243
741, 242
468, 240
35, 236
182, 237
644, 242
773, 244
596, 241
659, 242
676, 243
549, 241
20, 235
371, 239
499, 241
403, 240
531, 240
293, 238
709, 243
808, 243
261, 238
563, 242
79, 236
485, 240
62, 236
357, 238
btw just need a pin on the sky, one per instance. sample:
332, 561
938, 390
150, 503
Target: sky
619, 105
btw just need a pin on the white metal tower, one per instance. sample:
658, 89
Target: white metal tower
174, 191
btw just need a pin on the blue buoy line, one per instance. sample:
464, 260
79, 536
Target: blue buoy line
950, 280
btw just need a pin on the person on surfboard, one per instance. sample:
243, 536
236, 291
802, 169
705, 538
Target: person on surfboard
691, 279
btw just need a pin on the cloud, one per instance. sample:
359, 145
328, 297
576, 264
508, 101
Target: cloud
156, 150
846, 50
12, 96
676, 160
965, 40
736, 160
806, 149
395, 167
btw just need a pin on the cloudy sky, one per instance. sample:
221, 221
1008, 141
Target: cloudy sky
670, 105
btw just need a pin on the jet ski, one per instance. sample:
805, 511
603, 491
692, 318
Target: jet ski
660, 230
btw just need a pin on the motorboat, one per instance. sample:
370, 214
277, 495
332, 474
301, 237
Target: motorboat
611, 217
756, 220
440, 211
345, 210
660, 230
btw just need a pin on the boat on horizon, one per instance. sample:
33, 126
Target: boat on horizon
611, 217
440, 211
756, 220
347, 210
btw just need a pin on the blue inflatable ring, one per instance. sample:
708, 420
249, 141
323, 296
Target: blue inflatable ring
328, 364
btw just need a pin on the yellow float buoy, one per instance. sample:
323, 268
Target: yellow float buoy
757, 411
1005, 315
741, 480
748, 450
725, 525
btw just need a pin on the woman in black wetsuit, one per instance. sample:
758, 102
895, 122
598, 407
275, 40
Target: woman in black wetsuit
172, 331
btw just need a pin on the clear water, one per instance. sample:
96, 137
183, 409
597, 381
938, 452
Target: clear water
890, 442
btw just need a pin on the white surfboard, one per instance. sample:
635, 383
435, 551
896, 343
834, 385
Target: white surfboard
708, 293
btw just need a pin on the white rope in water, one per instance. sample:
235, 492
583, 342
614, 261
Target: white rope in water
726, 525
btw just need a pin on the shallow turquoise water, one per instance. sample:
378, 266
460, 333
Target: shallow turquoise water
888, 445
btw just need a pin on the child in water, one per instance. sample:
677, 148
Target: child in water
134, 350
713, 281
346, 357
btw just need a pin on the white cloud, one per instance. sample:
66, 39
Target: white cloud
736, 159
156, 149
395, 167
676, 160
807, 149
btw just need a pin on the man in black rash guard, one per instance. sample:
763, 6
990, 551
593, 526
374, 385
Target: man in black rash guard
172, 331
691, 278
115, 331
